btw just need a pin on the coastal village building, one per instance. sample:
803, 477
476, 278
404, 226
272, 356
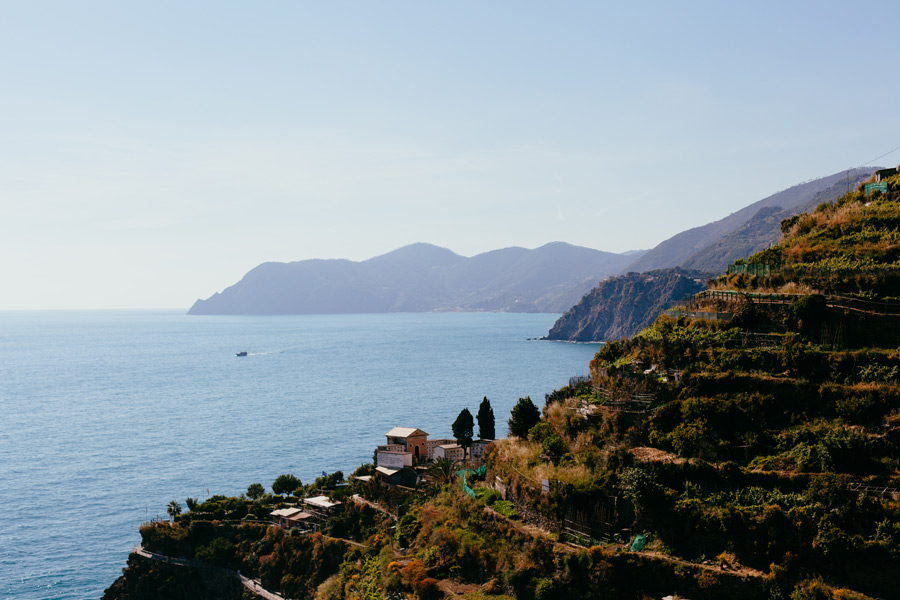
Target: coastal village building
407, 476
478, 447
290, 517
452, 452
409, 440
320, 505
432, 444
409, 447
393, 459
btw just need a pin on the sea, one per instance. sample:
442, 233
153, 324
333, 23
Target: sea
106, 416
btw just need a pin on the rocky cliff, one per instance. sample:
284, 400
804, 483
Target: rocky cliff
622, 306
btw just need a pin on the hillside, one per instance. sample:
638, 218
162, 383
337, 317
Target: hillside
693, 249
739, 447
622, 306
418, 278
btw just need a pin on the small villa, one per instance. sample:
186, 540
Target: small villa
289, 517
406, 476
320, 503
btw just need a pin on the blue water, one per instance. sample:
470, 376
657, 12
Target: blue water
107, 416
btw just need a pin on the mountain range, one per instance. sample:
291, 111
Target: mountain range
622, 306
714, 246
553, 278
421, 277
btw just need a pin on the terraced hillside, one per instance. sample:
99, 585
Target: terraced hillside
744, 446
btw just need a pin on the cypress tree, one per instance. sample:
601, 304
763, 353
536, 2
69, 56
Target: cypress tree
486, 420
524, 416
463, 428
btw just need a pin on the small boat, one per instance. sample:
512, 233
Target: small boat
244, 353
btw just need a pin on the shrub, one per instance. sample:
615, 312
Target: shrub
506, 508
427, 589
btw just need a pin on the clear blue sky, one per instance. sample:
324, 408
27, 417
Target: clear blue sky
152, 153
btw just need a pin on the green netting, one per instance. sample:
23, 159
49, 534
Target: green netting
639, 542
467, 489
478, 473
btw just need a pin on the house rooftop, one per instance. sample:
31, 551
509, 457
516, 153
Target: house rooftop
286, 512
404, 432
320, 502
386, 471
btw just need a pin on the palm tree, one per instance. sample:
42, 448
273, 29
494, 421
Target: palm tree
441, 471
174, 509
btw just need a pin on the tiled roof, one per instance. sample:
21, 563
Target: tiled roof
403, 432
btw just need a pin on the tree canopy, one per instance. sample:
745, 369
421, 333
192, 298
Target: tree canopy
486, 420
286, 484
464, 428
523, 417
256, 490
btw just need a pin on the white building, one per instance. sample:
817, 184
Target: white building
453, 452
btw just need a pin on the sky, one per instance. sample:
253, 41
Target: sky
151, 153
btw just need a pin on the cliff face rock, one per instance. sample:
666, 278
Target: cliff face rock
145, 579
420, 278
622, 306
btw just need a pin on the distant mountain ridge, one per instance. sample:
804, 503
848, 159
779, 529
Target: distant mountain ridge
712, 247
418, 278
622, 306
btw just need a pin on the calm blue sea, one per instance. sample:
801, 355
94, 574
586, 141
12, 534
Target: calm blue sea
107, 416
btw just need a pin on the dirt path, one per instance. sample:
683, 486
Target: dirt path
738, 570
536, 531
360, 500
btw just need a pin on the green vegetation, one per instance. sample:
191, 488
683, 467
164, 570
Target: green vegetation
255, 491
851, 246
463, 429
524, 416
173, 509
485, 419
286, 484
758, 457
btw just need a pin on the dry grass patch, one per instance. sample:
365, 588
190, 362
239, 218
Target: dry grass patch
647, 454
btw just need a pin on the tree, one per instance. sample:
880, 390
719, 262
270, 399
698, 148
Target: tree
464, 429
192, 503
486, 420
285, 484
255, 491
523, 417
441, 471
174, 509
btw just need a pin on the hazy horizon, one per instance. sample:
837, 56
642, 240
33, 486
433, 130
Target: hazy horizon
153, 154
